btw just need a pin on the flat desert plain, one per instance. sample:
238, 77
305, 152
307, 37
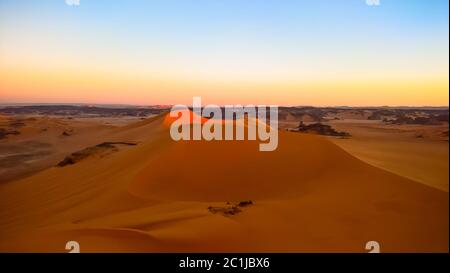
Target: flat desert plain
128, 187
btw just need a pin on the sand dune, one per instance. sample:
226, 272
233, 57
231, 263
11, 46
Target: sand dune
417, 152
308, 195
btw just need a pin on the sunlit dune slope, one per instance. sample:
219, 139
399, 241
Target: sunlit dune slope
308, 195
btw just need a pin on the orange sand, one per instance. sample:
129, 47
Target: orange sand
309, 195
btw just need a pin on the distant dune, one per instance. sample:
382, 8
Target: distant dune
419, 152
308, 195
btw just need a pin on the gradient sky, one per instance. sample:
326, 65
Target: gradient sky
299, 52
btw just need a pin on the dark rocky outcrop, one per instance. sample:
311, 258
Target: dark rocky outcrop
320, 129
101, 148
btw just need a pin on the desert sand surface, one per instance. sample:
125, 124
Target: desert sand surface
418, 152
42, 141
309, 195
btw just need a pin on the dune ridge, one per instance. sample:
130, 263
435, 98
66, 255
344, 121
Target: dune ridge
309, 196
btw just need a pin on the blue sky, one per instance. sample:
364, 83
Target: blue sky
232, 40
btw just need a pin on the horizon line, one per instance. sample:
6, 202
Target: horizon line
170, 105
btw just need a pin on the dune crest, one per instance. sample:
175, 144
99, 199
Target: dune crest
309, 195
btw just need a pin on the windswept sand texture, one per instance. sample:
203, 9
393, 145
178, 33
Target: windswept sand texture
308, 195
42, 142
414, 151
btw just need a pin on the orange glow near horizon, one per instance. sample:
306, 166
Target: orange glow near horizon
241, 53
72, 86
